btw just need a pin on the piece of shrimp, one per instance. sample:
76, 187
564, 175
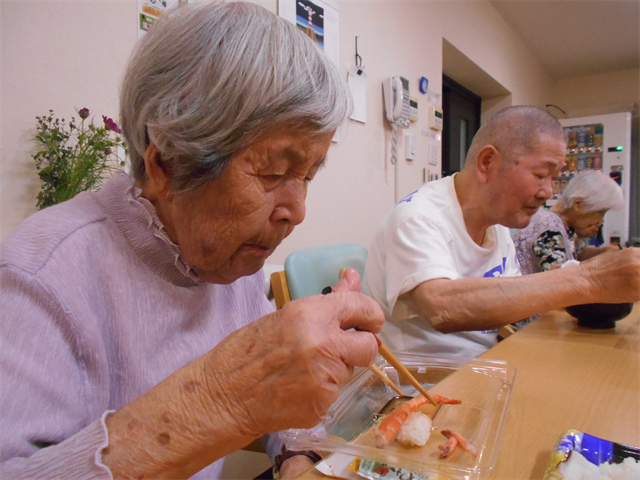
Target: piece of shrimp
392, 423
449, 447
444, 400
460, 440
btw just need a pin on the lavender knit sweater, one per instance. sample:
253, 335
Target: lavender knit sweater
96, 307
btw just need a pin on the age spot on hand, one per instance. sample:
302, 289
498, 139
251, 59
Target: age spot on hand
164, 438
132, 424
165, 417
191, 386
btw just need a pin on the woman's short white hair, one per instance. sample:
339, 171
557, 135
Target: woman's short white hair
210, 79
598, 192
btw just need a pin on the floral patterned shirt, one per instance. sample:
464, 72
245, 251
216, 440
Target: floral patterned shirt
544, 242
550, 248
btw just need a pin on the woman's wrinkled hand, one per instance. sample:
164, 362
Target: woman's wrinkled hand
285, 369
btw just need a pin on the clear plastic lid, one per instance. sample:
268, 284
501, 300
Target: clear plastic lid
483, 386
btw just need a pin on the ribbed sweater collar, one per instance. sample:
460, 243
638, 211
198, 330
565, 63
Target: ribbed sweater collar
138, 221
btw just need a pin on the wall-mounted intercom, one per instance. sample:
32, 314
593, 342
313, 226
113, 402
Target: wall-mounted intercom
396, 100
413, 109
435, 117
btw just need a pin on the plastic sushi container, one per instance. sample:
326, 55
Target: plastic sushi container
483, 386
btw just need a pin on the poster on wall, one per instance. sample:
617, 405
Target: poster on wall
150, 10
316, 18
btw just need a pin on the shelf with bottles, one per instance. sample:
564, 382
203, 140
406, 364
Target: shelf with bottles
578, 163
584, 139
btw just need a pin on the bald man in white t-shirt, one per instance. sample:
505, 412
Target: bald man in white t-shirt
443, 266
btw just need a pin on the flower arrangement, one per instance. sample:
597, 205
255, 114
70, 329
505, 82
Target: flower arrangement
74, 157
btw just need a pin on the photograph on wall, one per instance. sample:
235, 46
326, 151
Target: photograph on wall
310, 19
149, 11
319, 19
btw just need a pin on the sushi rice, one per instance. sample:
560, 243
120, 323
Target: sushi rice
415, 430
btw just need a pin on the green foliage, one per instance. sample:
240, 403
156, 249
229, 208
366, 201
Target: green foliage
73, 158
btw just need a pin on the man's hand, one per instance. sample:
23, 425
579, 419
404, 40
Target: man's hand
483, 303
614, 276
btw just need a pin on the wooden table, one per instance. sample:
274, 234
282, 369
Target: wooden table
567, 377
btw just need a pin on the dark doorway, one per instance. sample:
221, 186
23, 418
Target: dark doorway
461, 112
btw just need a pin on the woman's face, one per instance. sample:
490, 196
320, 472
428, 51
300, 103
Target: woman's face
229, 227
586, 224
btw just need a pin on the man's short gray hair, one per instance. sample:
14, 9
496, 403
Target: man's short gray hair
516, 131
210, 79
598, 192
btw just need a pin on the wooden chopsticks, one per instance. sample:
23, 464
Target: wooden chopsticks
380, 374
402, 370
395, 363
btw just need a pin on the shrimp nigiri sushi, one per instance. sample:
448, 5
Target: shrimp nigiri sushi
416, 430
391, 425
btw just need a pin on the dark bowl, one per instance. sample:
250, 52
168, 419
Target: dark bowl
600, 315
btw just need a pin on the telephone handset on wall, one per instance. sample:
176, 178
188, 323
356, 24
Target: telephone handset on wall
396, 100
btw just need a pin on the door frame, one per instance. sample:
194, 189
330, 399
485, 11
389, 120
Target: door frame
450, 85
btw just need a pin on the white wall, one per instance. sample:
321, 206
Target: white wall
69, 54
56, 55
594, 94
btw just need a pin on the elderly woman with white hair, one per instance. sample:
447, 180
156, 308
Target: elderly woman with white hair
136, 339
557, 235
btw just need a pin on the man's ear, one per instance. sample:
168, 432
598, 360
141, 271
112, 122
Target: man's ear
488, 160
158, 182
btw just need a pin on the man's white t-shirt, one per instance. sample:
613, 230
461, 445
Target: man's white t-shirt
422, 238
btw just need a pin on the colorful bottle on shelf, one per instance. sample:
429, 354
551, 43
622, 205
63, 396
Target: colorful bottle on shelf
572, 139
598, 134
589, 162
597, 162
589, 136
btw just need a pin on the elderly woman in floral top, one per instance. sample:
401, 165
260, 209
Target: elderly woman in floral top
556, 235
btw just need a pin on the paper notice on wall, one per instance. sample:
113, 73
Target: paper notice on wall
434, 98
430, 133
358, 86
149, 11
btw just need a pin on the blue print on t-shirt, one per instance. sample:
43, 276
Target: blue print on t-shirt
407, 198
497, 271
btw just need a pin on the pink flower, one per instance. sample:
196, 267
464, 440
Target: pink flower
110, 124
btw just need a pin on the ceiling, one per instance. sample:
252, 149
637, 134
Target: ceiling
573, 38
